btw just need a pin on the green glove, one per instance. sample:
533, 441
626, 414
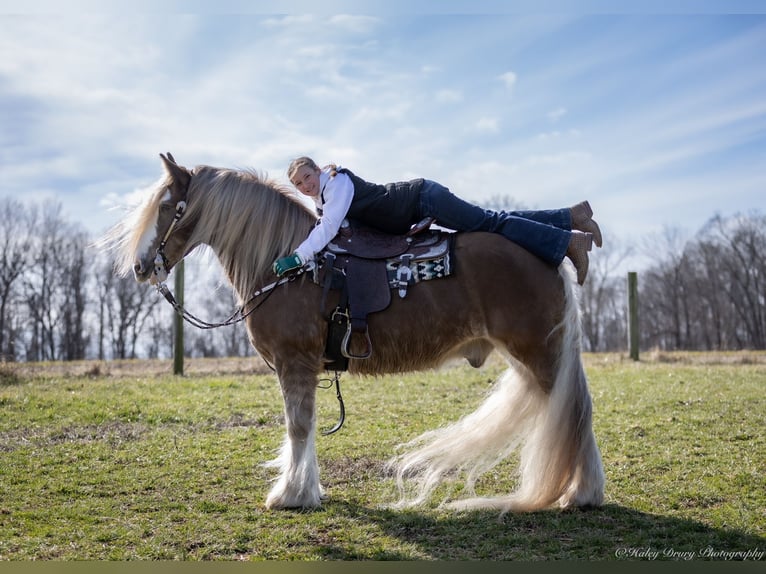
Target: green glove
286, 264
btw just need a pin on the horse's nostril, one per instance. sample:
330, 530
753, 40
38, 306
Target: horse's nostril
137, 269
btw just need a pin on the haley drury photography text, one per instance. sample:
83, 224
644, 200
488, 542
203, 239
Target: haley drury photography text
707, 553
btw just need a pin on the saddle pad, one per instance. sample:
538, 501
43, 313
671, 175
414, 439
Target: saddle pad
420, 270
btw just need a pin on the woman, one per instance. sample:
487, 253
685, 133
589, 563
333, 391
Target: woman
395, 207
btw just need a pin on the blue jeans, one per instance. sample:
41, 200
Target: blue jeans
544, 233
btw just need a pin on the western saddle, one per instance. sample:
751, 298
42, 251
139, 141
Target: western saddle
365, 265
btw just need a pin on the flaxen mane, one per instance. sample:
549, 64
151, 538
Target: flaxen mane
231, 209
235, 211
124, 239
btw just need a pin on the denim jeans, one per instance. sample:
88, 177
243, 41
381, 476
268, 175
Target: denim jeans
544, 233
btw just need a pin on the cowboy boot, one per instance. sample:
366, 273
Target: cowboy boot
577, 251
582, 220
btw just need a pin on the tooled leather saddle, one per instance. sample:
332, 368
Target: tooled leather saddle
365, 265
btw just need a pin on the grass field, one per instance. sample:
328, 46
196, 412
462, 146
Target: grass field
118, 461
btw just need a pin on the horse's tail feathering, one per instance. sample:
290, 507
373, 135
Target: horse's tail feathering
559, 459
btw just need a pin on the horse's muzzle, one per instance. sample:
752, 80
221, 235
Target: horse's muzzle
143, 270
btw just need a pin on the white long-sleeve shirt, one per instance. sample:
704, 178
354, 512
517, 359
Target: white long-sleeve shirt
333, 203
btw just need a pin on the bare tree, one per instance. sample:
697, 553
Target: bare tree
42, 282
122, 310
744, 258
104, 286
129, 305
708, 293
604, 301
711, 307
73, 284
16, 222
664, 293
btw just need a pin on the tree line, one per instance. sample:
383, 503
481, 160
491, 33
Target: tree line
60, 300
698, 294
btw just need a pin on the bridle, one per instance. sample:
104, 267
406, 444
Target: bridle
161, 270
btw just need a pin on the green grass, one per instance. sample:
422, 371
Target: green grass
97, 466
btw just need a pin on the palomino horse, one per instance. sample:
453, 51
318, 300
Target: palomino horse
499, 297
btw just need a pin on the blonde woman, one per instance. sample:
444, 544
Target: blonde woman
395, 207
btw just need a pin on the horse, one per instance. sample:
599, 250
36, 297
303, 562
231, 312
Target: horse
499, 298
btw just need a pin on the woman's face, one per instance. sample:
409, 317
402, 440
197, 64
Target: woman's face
306, 180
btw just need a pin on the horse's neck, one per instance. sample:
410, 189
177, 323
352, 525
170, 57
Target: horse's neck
247, 250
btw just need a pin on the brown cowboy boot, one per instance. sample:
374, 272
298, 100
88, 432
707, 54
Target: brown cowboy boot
582, 220
579, 245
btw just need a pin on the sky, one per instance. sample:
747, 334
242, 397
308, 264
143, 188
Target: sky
657, 117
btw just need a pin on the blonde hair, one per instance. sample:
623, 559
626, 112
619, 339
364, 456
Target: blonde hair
299, 162
227, 210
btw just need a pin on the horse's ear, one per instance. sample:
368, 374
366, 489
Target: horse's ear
171, 166
180, 175
167, 158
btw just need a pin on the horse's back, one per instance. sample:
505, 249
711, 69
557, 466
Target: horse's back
498, 292
496, 265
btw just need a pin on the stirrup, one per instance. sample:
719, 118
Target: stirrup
344, 350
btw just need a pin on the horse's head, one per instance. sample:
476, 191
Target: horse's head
162, 242
245, 218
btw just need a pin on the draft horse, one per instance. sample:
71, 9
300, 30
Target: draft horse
500, 297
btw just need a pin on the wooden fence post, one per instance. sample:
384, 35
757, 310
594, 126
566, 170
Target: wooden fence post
178, 322
633, 333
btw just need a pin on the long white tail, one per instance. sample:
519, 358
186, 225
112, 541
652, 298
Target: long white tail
559, 459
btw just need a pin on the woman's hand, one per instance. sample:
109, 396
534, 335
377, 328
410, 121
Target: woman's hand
285, 265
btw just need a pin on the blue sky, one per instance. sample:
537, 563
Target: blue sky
659, 119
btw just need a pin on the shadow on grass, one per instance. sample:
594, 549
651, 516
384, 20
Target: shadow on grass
611, 532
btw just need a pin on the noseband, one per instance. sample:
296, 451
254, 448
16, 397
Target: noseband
161, 270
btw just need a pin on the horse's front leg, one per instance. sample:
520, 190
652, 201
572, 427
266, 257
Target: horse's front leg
298, 483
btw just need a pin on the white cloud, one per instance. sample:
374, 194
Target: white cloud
89, 102
487, 125
509, 79
354, 23
556, 134
449, 96
385, 113
303, 20
557, 114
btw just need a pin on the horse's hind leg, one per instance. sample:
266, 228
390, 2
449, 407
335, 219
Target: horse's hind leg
560, 461
298, 483
541, 406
